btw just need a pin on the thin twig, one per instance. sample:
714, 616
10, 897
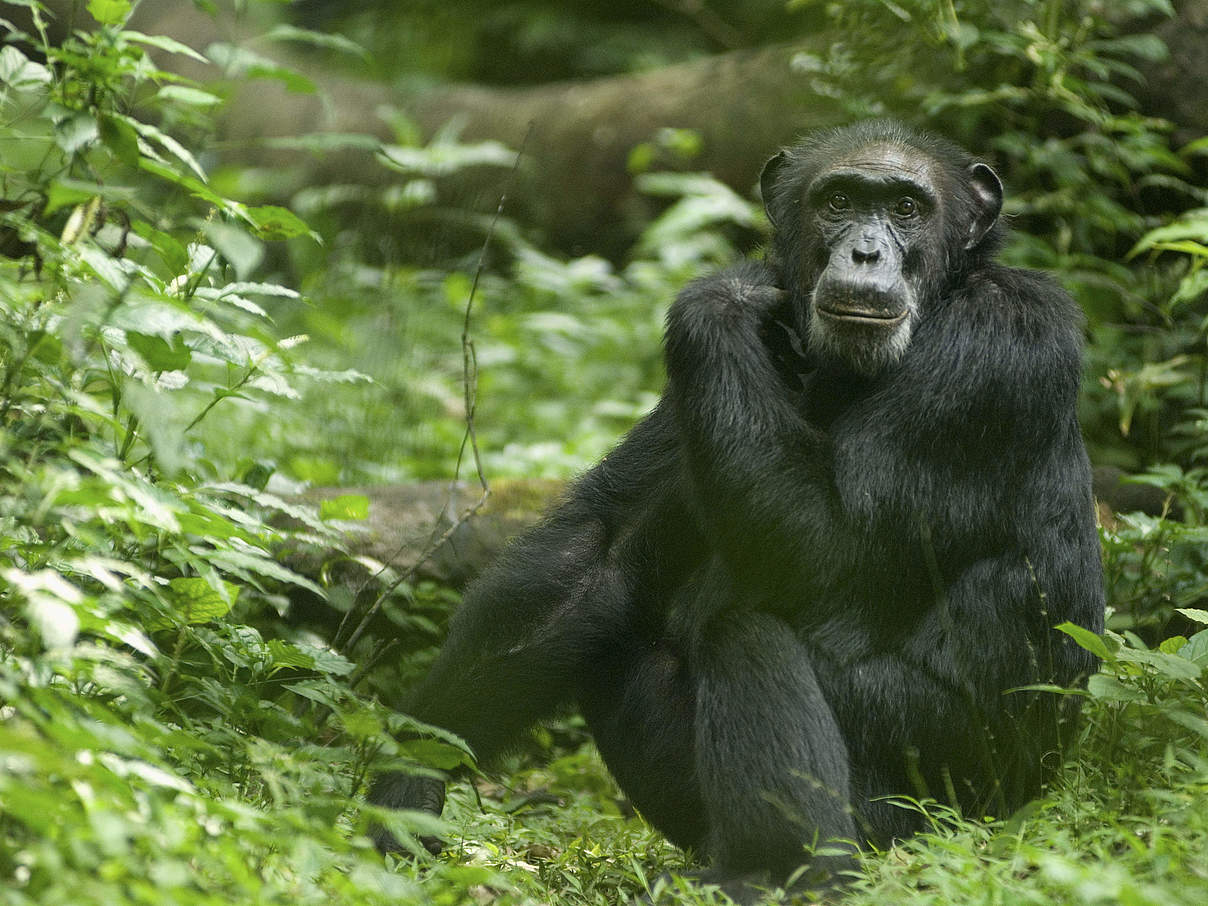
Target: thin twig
469, 364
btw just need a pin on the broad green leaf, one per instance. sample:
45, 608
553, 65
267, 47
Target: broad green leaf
50, 604
19, 71
67, 192
45, 347
170, 250
198, 188
195, 600
314, 692
109, 12
1196, 649
434, 753
309, 657
286, 654
76, 132
260, 289
346, 506
1108, 688
1086, 639
320, 142
158, 353
243, 251
121, 138
1172, 644
361, 723
273, 222
241, 61
1171, 666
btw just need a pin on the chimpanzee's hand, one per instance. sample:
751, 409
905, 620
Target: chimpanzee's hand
726, 310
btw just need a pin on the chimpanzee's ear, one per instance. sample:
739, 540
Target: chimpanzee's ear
987, 194
767, 182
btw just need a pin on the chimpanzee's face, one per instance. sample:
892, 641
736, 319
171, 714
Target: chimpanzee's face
868, 234
874, 214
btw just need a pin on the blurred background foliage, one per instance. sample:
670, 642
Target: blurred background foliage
189, 336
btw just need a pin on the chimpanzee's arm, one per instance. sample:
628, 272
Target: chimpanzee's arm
761, 471
530, 627
526, 636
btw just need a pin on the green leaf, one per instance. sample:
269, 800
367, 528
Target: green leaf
183, 94
324, 142
309, 657
158, 353
346, 506
1086, 639
1108, 688
120, 138
163, 42
1192, 722
309, 690
77, 132
1171, 666
243, 251
240, 61
198, 188
169, 144
273, 222
249, 565
287, 655
1196, 649
194, 600
45, 347
259, 289
318, 39
19, 71
109, 12
434, 753
66, 193
1172, 644
361, 723
170, 250
443, 158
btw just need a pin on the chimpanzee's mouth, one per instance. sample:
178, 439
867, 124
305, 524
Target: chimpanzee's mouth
863, 316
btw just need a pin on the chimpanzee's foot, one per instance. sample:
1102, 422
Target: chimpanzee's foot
406, 791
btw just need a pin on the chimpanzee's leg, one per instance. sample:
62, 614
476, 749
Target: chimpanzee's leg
534, 628
641, 707
772, 763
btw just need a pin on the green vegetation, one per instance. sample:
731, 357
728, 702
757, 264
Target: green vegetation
176, 358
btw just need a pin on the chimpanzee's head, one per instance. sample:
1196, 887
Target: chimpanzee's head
875, 223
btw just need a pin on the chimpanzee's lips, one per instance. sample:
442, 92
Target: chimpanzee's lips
863, 315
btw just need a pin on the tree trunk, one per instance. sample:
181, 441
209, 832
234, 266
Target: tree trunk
574, 180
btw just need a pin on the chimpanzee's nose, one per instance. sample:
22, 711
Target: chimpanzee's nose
866, 251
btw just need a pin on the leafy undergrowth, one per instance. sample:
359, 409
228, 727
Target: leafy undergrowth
1126, 822
109, 796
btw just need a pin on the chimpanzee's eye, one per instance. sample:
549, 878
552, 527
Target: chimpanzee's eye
838, 202
906, 207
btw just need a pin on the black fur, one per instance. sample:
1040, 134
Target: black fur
809, 579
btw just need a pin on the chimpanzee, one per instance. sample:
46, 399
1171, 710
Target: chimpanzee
822, 572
